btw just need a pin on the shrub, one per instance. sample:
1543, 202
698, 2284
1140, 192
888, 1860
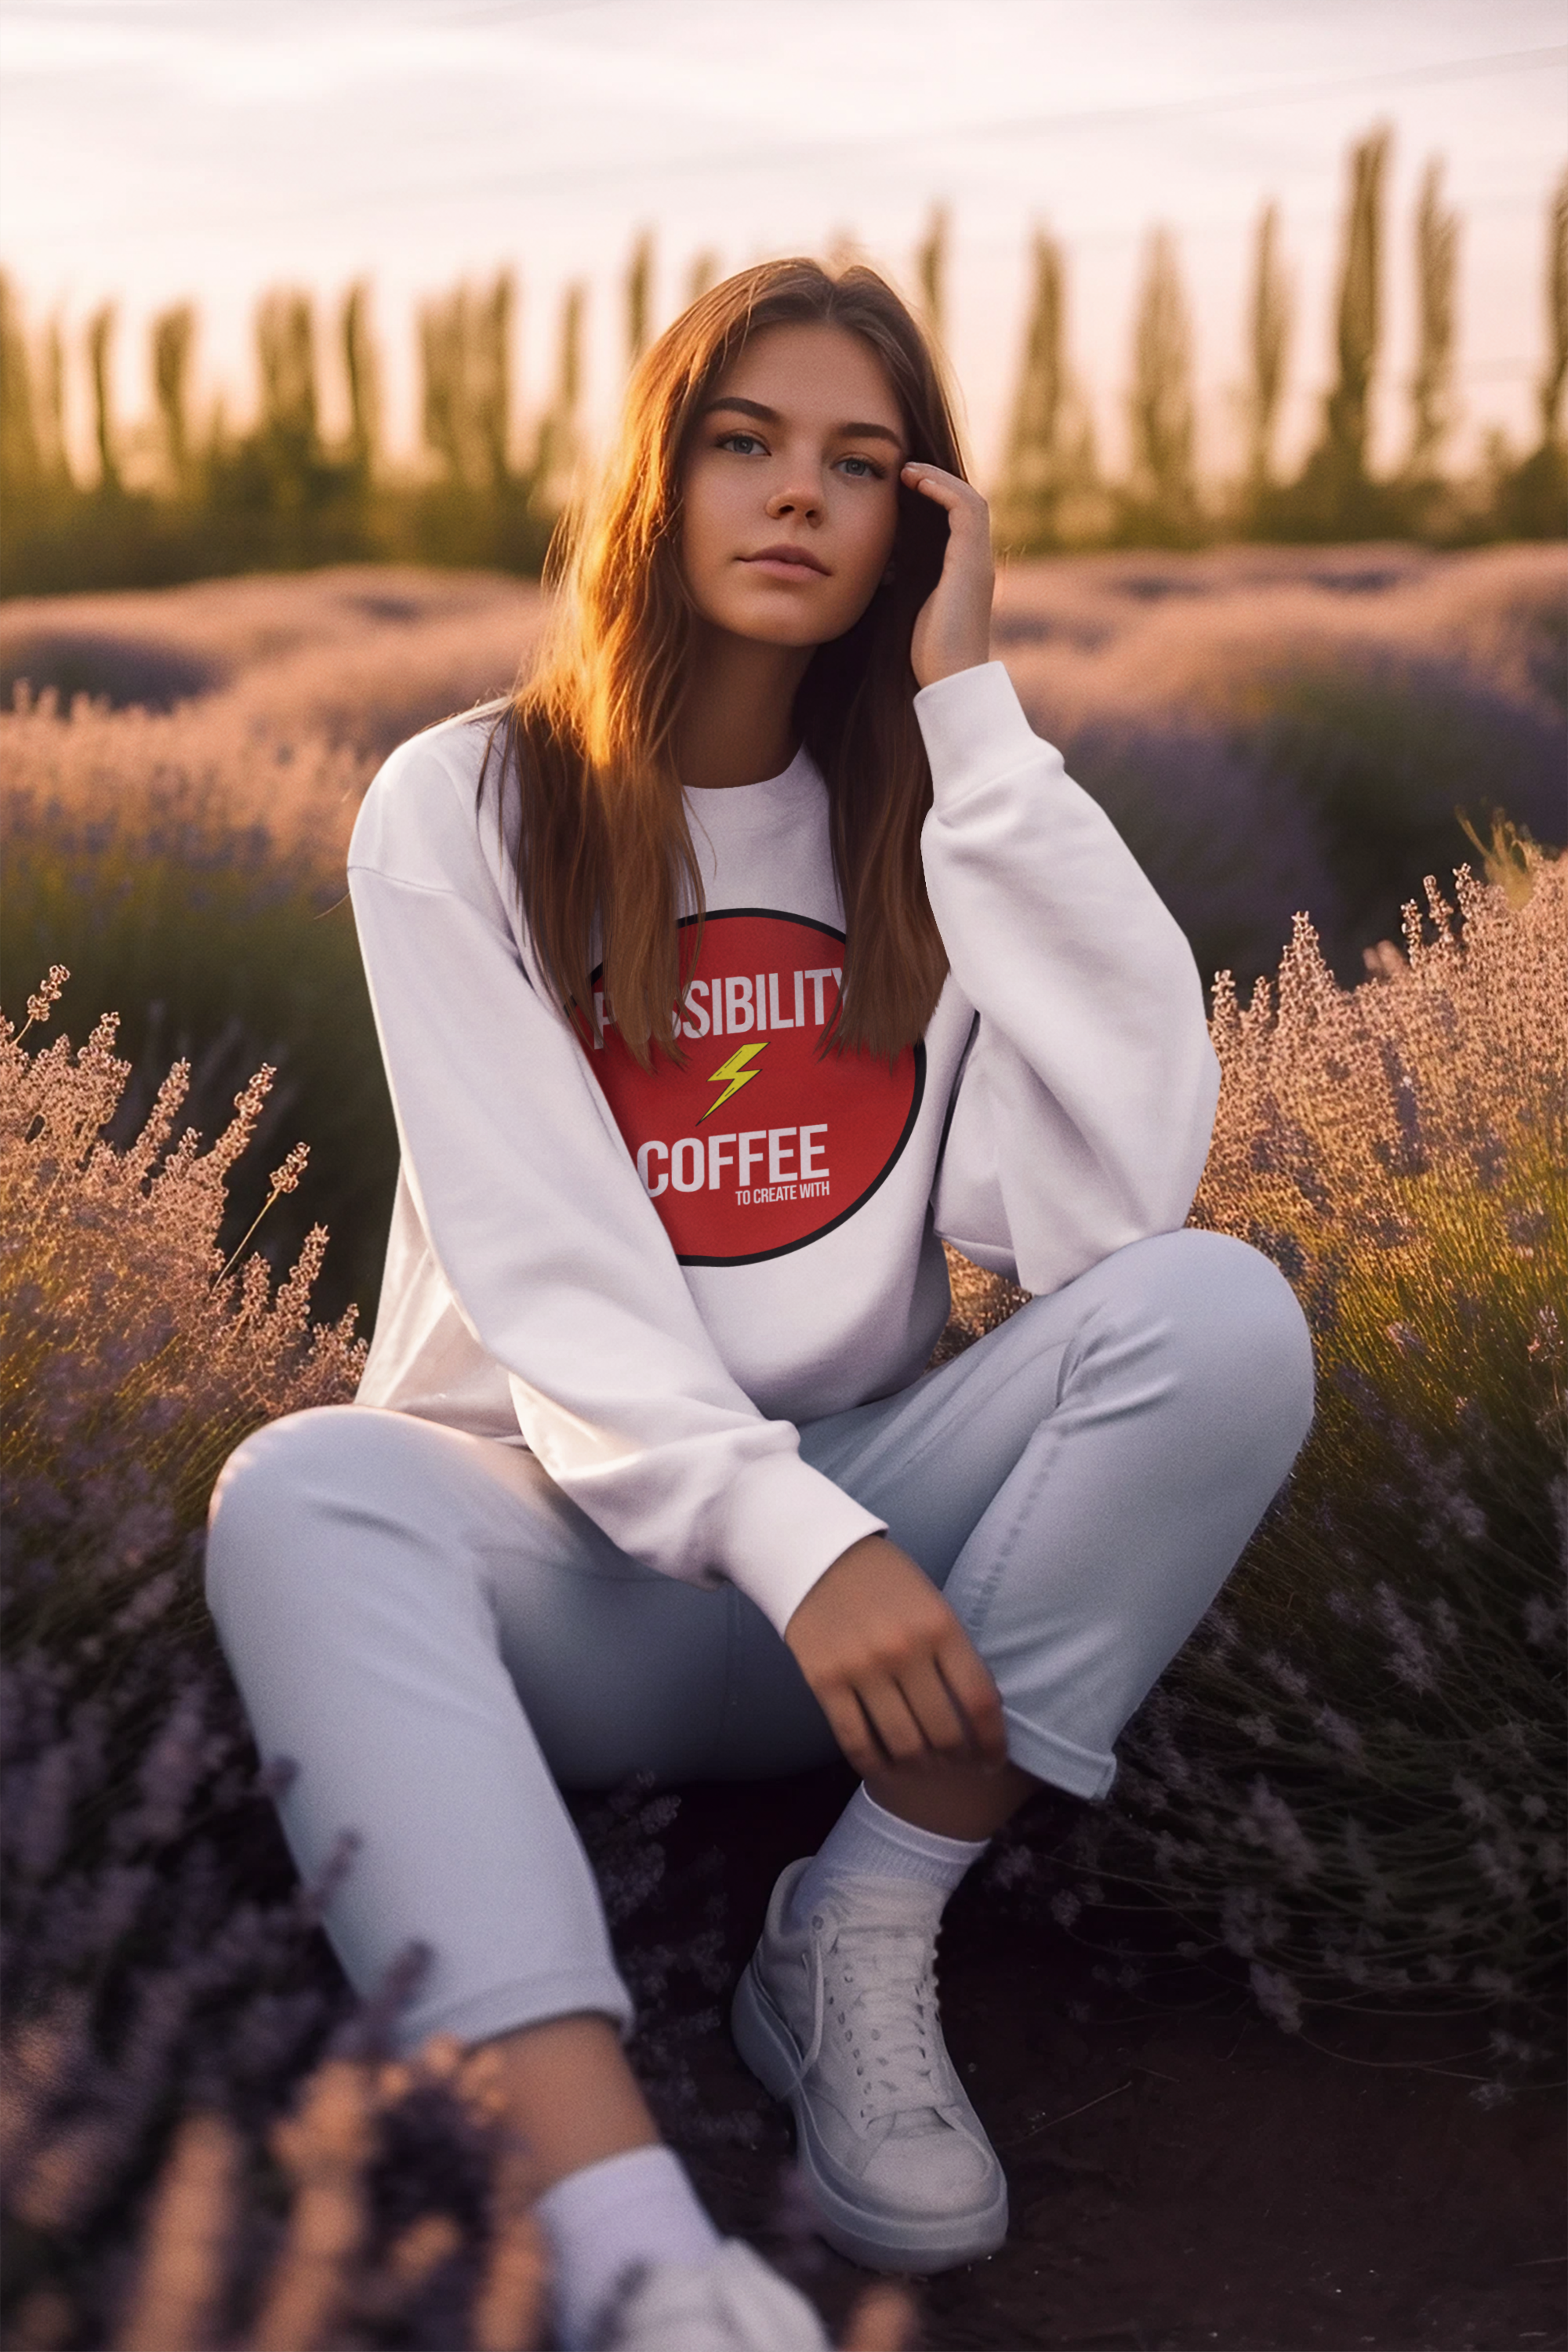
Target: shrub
135, 1358
1270, 732
187, 862
156, 1948
191, 870
392, 2206
167, 1986
1352, 1780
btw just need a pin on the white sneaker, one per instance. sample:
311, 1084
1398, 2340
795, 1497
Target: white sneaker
733, 2304
840, 2019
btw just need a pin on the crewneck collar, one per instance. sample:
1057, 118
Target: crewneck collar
734, 808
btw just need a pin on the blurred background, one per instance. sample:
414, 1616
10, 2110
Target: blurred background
312, 314
315, 284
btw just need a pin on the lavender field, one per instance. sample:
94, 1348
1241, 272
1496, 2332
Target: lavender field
1348, 1795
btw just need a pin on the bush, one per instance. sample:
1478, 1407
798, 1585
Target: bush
187, 862
156, 1948
1352, 1780
183, 2063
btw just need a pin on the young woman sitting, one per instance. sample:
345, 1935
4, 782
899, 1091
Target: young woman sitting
756, 948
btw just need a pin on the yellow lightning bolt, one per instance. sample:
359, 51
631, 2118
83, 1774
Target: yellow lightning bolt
738, 1075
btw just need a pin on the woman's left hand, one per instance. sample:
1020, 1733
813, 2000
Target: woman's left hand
952, 629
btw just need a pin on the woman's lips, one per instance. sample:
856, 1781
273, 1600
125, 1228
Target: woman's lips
786, 563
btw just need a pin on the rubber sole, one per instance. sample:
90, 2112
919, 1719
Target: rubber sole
878, 2242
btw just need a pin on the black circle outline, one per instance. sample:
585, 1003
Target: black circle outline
787, 1249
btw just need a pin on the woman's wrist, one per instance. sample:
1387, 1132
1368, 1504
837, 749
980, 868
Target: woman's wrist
961, 659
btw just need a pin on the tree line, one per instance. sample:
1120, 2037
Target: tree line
176, 497
1053, 494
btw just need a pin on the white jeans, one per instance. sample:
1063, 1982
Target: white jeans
435, 1637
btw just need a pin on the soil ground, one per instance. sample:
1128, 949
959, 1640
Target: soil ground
1182, 2174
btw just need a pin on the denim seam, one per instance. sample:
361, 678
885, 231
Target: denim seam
984, 1592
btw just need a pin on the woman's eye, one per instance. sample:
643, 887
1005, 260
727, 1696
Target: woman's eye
742, 444
861, 469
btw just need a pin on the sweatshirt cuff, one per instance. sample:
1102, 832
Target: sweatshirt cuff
784, 1525
975, 729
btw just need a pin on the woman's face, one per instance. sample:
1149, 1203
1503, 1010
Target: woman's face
791, 486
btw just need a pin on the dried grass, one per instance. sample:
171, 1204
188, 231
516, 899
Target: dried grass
1353, 1778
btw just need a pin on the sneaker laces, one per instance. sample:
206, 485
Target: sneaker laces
884, 2005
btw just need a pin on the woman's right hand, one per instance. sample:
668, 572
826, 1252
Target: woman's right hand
892, 1669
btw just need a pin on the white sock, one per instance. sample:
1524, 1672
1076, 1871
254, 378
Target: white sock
867, 1842
635, 2207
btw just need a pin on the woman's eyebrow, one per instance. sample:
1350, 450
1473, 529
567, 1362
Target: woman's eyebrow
771, 416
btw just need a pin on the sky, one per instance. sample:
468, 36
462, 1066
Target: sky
153, 151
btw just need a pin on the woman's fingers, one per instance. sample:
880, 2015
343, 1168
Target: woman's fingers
944, 1713
848, 1722
916, 1716
969, 1679
931, 1703
876, 1722
898, 1730
949, 490
968, 514
892, 1666
952, 629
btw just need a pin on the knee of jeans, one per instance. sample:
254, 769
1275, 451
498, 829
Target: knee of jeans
264, 1483
1235, 1315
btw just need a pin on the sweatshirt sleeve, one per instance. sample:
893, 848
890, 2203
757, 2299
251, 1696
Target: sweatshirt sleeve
553, 1250
1083, 1116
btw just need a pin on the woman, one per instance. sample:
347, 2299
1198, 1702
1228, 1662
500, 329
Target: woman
757, 946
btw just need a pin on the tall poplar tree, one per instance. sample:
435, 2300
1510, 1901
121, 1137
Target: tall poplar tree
702, 274
1048, 466
931, 258
1163, 500
491, 318
361, 375
1335, 496
286, 365
639, 298
19, 451
442, 328
1432, 385
1269, 320
174, 335
1555, 375
1532, 498
555, 457
100, 369
54, 457
466, 366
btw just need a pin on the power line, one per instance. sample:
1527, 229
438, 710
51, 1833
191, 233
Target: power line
760, 152
1347, 86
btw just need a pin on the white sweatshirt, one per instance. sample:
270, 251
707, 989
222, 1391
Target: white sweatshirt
650, 1280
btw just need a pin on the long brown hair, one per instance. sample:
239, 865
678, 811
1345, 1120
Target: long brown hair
601, 843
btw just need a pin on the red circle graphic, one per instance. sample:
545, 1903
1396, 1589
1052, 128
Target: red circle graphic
761, 1143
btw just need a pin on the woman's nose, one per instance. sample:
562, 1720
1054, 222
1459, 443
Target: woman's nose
799, 496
